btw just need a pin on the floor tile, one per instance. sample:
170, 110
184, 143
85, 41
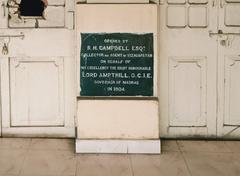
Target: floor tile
104, 165
45, 175
56, 157
43, 162
11, 161
52, 144
234, 146
211, 164
203, 146
170, 145
236, 162
14, 143
166, 164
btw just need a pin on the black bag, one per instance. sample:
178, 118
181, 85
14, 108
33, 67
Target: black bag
31, 8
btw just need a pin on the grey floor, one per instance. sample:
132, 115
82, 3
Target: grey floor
56, 157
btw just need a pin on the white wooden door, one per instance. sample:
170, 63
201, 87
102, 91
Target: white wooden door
229, 69
200, 68
188, 68
38, 72
3, 19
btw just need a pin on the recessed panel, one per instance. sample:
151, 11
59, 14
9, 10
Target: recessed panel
232, 15
197, 16
176, 1
54, 17
176, 16
36, 92
56, 2
198, 1
232, 91
117, 1
233, 1
187, 92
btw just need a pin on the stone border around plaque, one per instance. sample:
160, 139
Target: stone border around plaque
116, 64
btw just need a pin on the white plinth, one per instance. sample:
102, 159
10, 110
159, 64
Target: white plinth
118, 146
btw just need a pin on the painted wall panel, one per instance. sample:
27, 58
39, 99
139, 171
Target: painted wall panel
232, 91
198, 16
176, 1
232, 13
198, 1
55, 17
37, 97
176, 12
187, 92
117, 1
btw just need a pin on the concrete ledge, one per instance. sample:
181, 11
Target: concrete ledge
118, 119
118, 146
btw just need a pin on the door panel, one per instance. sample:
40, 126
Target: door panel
41, 99
1, 57
56, 2
187, 92
174, 12
40, 123
188, 58
232, 91
211, 30
198, 16
54, 17
37, 92
229, 86
38, 81
176, 1
232, 13
229, 69
229, 12
198, 1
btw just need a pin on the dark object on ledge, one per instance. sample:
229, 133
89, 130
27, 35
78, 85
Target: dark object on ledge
31, 8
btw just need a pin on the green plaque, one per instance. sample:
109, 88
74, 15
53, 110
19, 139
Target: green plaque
116, 64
